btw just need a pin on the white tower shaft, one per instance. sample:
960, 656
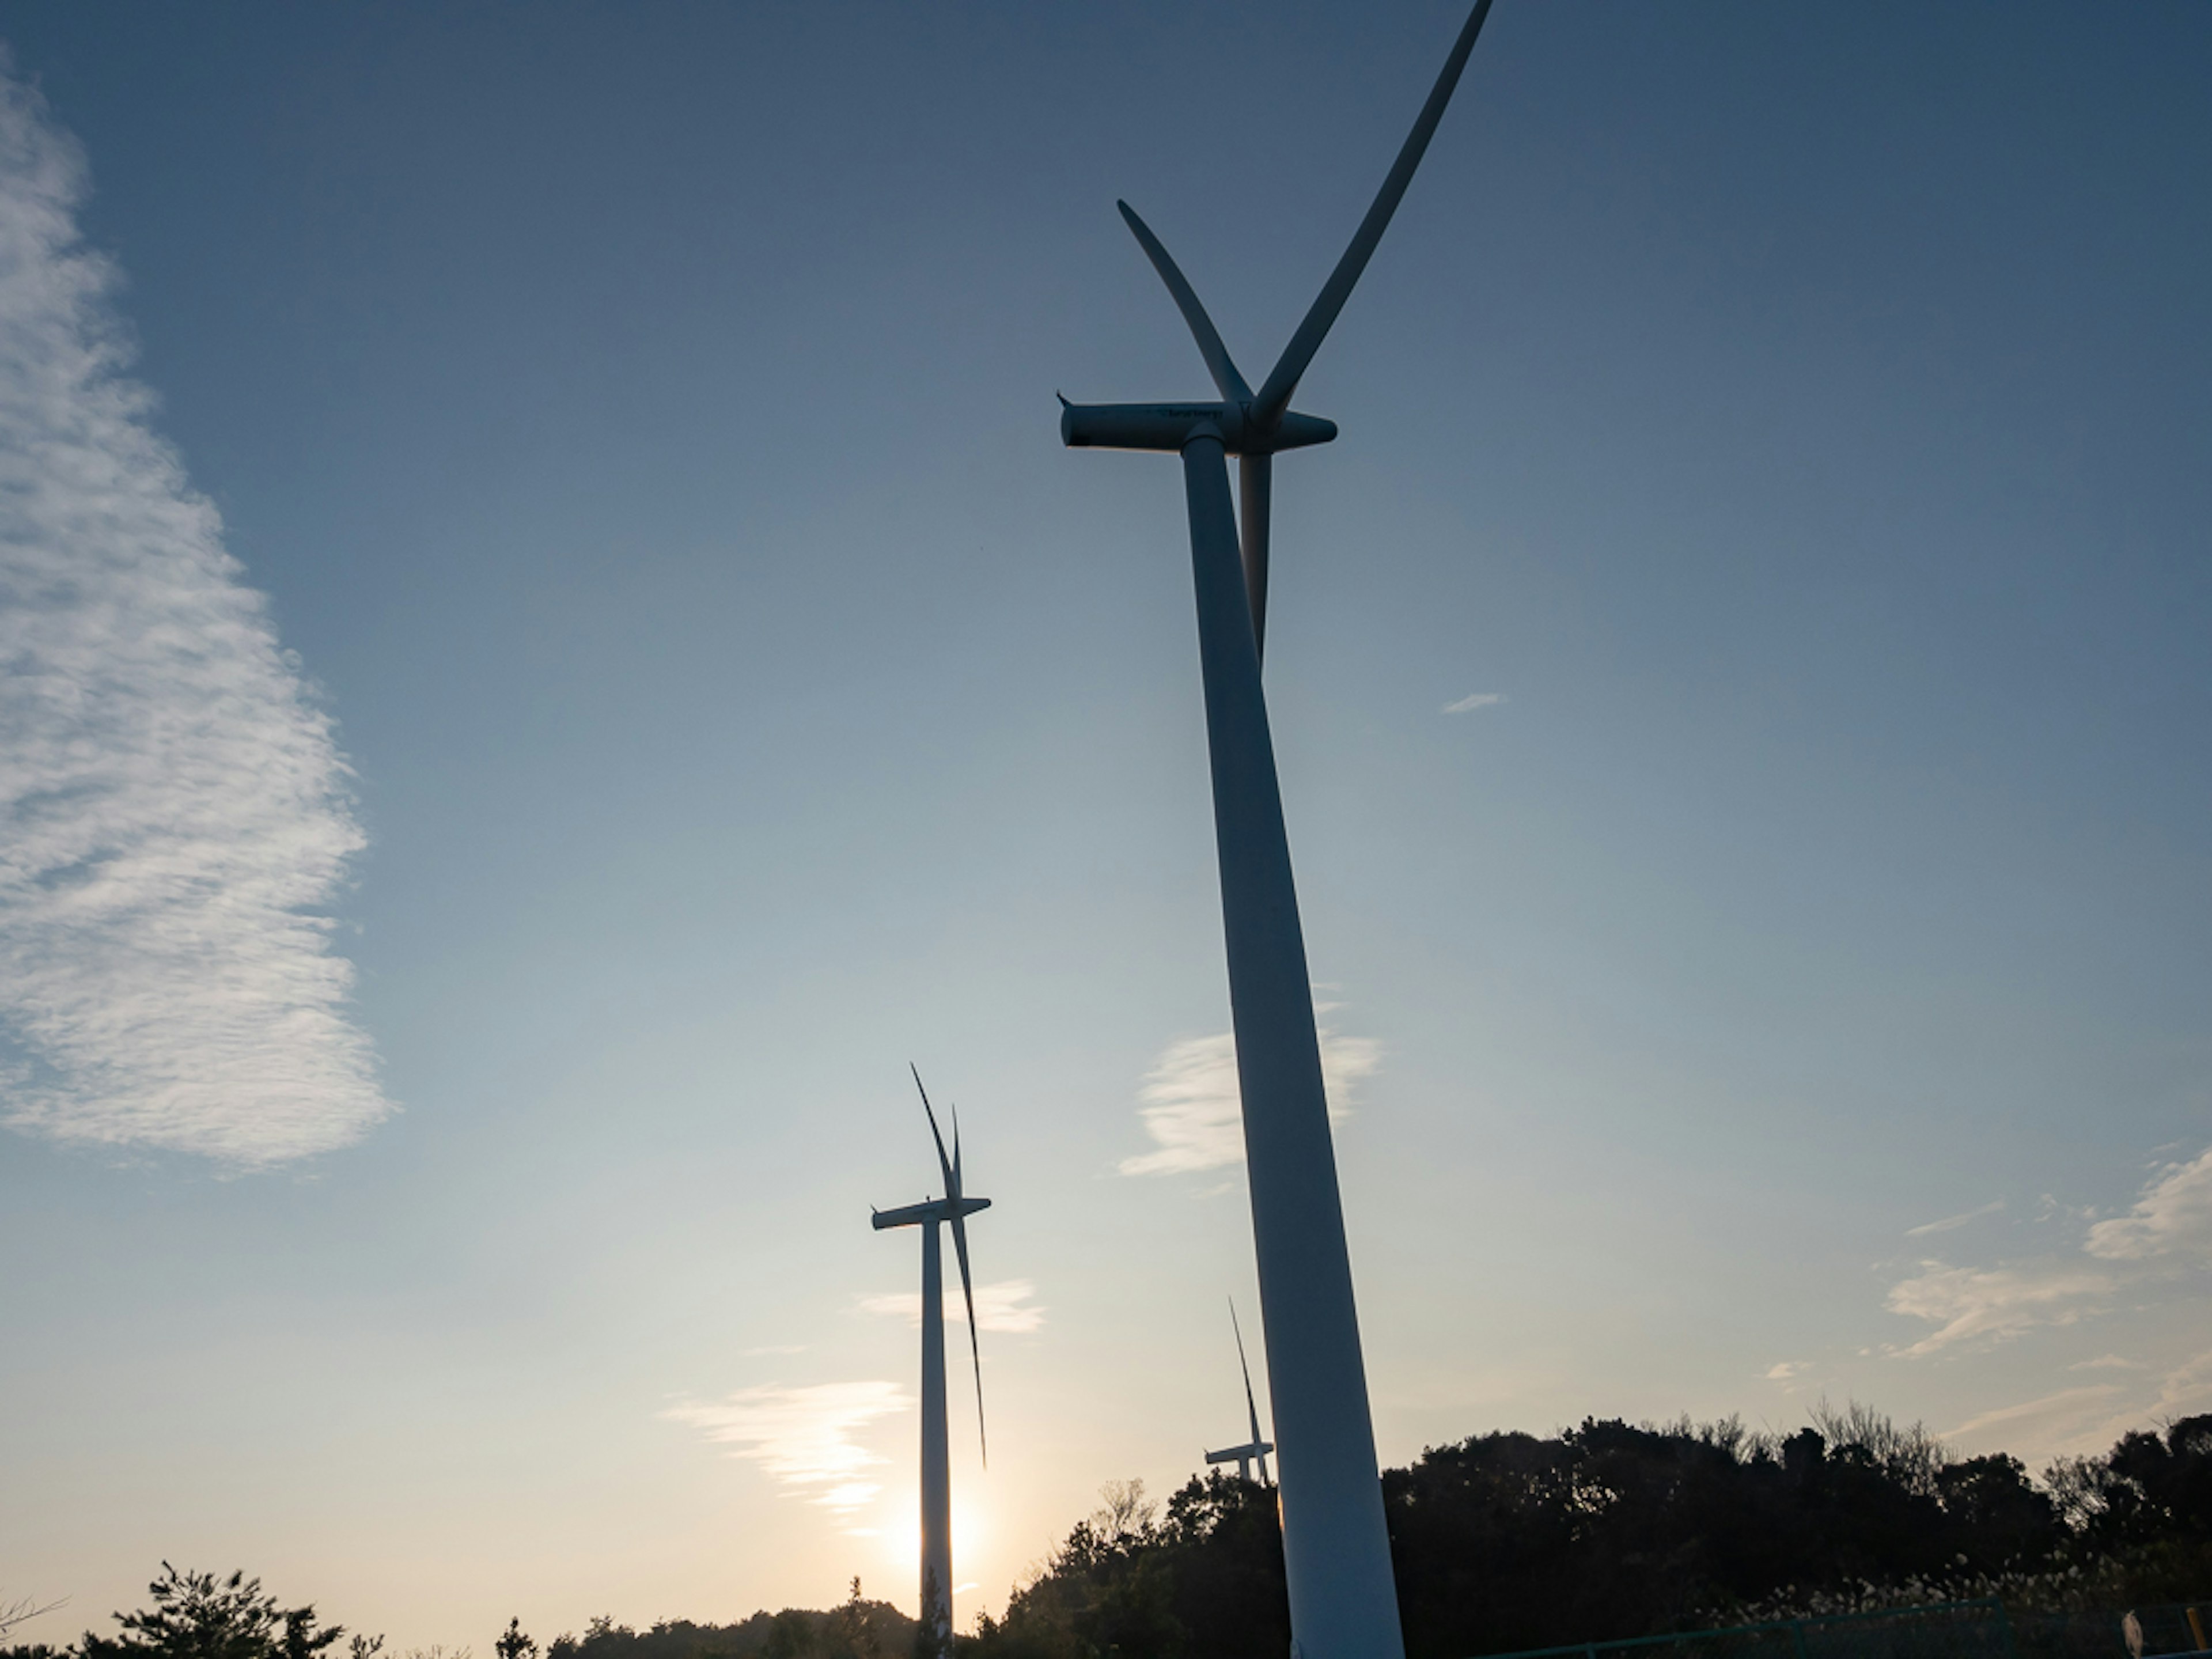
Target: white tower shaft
1343, 1600
936, 1458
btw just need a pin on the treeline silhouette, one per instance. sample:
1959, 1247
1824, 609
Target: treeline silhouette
1501, 1541
1506, 1542
197, 1615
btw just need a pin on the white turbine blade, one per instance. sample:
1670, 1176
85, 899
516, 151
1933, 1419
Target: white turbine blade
975, 1344
1229, 383
1275, 396
1250, 1405
944, 1163
1254, 491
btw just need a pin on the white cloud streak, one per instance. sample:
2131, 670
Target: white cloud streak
173, 809
1192, 1108
2166, 1235
803, 1438
2173, 1216
1005, 1307
1952, 1222
1989, 1304
1476, 700
2069, 1416
2090, 1417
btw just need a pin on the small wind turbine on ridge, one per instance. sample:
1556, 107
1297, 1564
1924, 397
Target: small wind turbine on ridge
955, 1207
1242, 1455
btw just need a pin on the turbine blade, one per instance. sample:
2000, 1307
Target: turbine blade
1255, 489
954, 1106
975, 1344
1250, 1406
1275, 396
944, 1163
1225, 377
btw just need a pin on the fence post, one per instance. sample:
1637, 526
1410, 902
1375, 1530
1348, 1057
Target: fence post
2004, 1628
1797, 1637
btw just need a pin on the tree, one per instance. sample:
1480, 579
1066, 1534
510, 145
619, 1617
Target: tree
515, 1644
22, 1610
195, 1615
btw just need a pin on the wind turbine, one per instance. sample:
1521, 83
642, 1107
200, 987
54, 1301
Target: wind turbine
1256, 1447
936, 1457
1336, 1550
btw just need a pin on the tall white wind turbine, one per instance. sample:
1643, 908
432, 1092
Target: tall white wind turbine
936, 1457
1256, 1447
1344, 1604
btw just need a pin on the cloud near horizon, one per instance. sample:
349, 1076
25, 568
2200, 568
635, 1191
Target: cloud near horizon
2090, 1417
2165, 1235
173, 808
803, 1438
1005, 1307
1192, 1110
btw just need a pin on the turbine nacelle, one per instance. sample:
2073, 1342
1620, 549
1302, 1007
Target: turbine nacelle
935, 1209
1171, 426
1242, 1456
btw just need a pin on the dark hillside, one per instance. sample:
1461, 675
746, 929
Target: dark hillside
1506, 1540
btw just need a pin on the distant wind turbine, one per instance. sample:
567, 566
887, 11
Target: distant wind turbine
936, 1457
1256, 1447
1336, 1551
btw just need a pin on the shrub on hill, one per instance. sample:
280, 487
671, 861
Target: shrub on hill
1507, 1541
1501, 1541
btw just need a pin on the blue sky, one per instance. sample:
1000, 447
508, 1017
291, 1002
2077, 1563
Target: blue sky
668, 646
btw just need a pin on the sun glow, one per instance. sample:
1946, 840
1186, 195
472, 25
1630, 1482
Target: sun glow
894, 1522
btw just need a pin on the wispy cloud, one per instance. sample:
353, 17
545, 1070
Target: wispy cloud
174, 810
1474, 701
2173, 1216
803, 1438
1192, 1109
1788, 1369
1989, 1304
2057, 1419
2110, 1362
2090, 1417
2166, 1235
2187, 1389
1950, 1222
1004, 1307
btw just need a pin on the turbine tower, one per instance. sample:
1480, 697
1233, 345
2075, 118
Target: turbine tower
936, 1457
1256, 1447
1336, 1551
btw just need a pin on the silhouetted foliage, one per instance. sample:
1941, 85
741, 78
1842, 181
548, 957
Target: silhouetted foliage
195, 1615
21, 1610
1208, 1580
857, 1629
1510, 1541
1501, 1541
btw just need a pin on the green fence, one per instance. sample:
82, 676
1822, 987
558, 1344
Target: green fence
1948, 1630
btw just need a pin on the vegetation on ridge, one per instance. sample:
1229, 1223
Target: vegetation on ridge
1501, 1541
1506, 1540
